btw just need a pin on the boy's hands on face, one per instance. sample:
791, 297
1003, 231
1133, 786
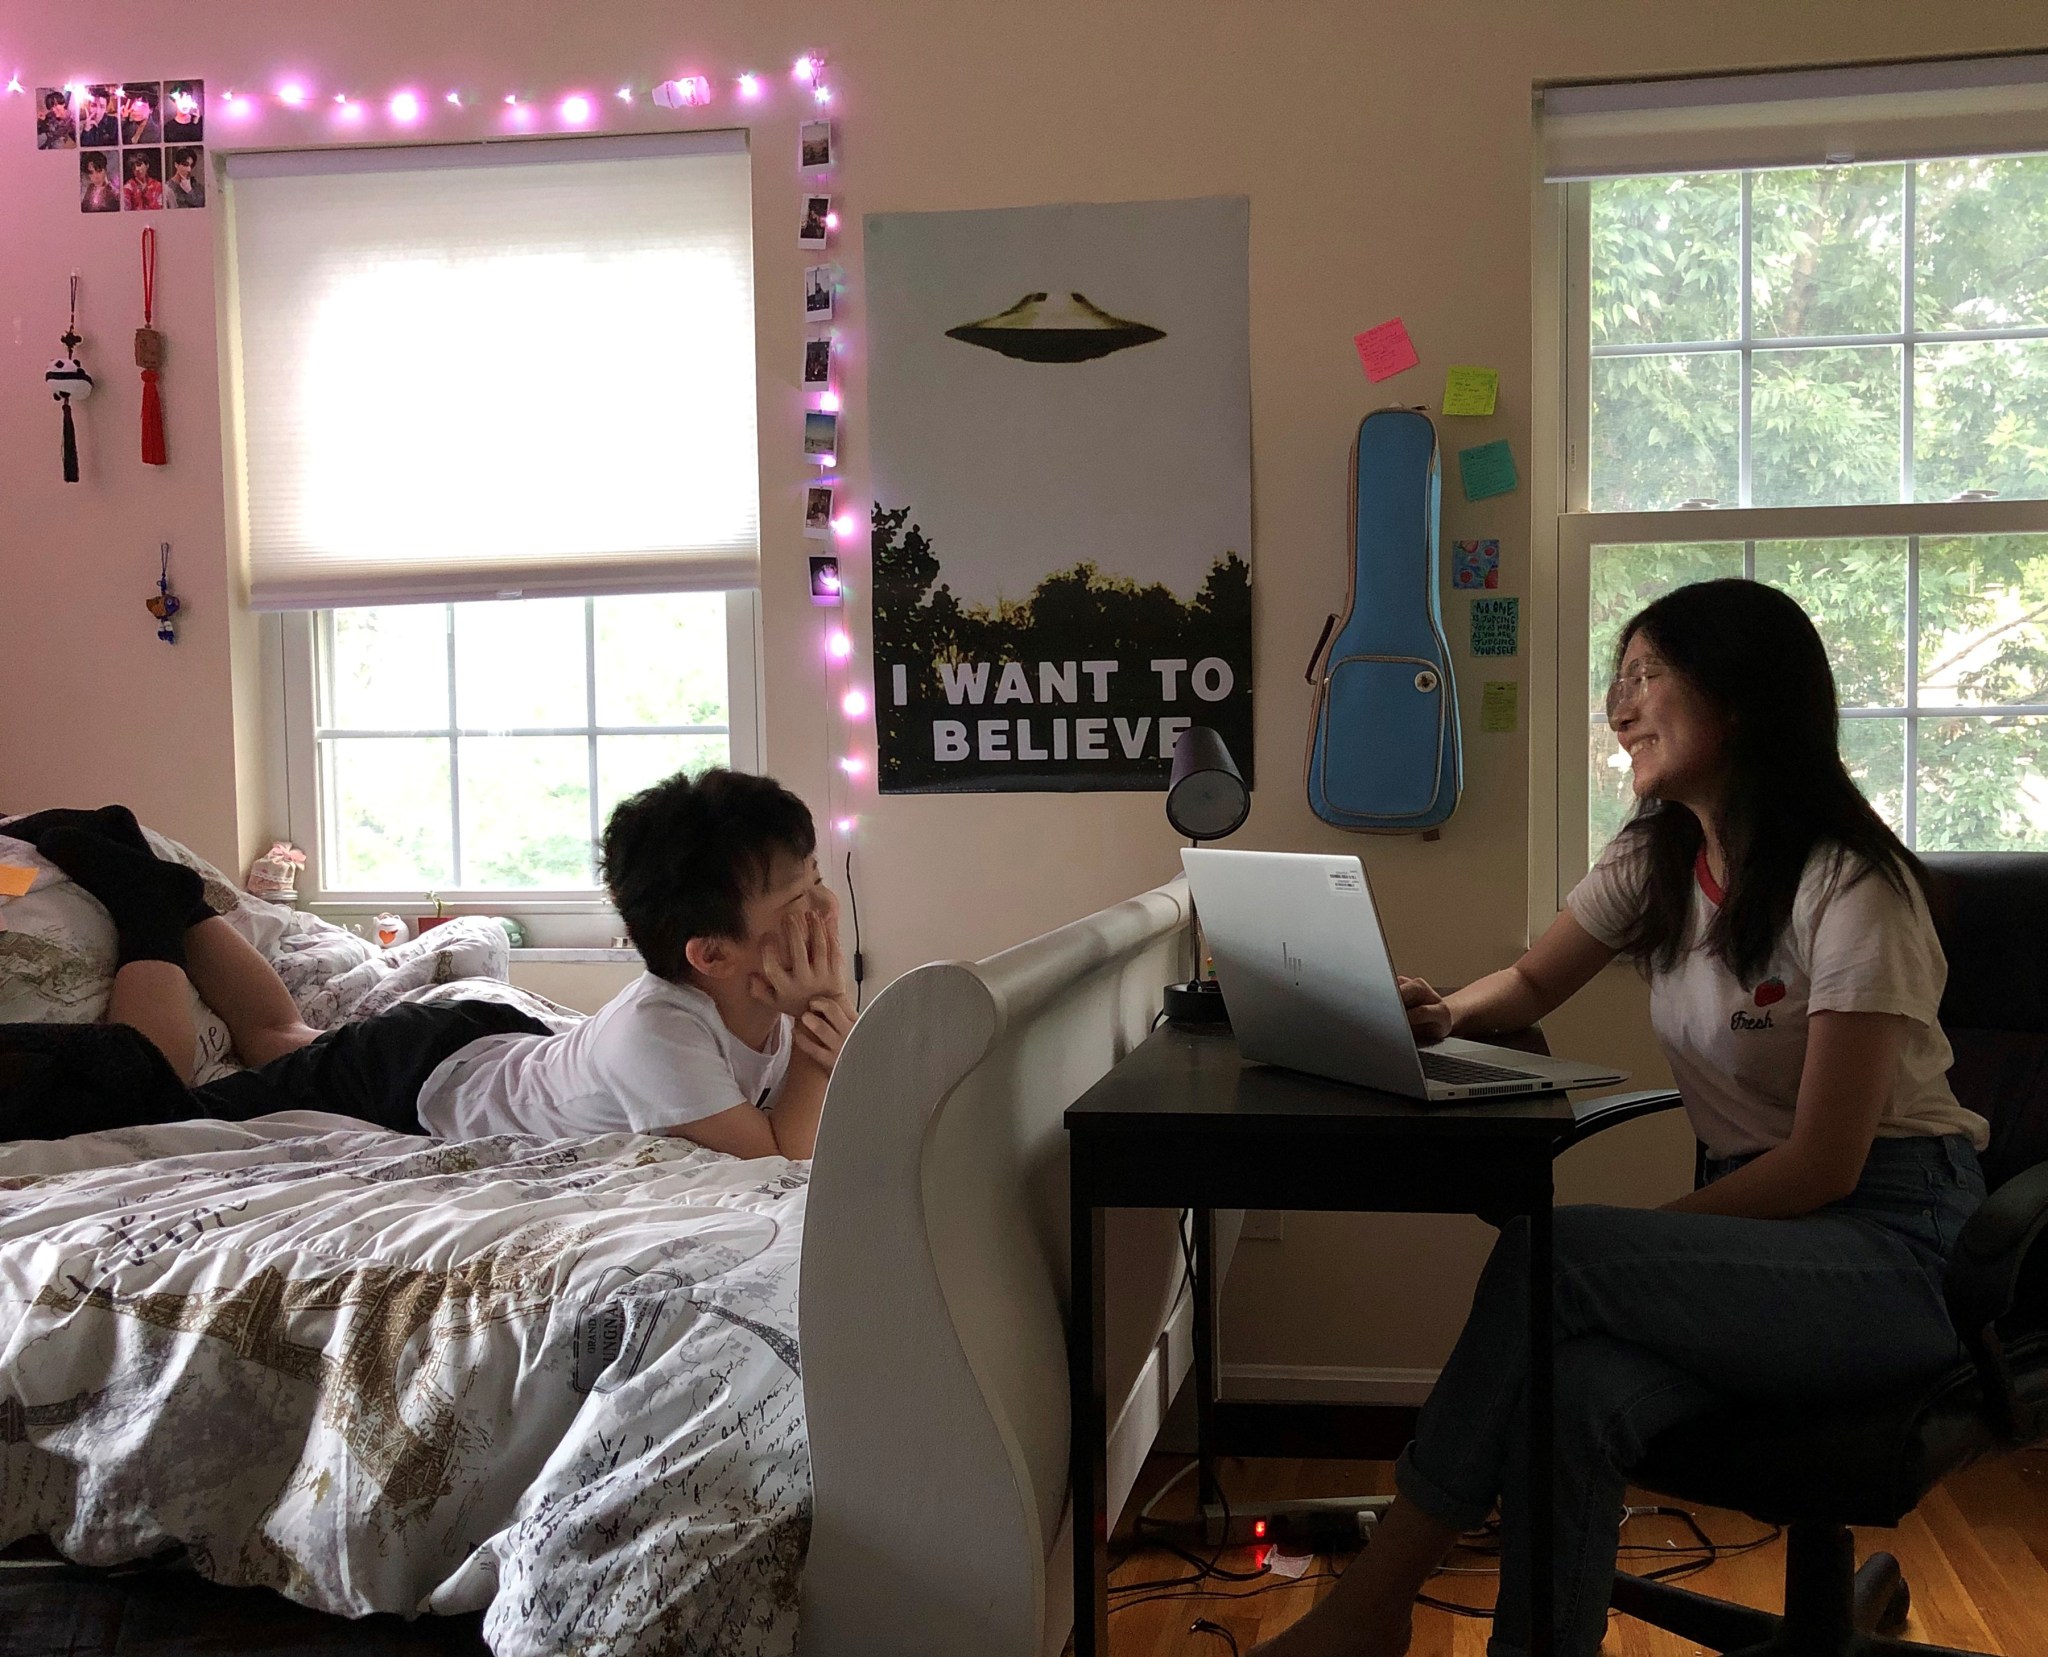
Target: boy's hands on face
822, 1031
802, 964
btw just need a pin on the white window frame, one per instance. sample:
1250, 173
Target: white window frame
574, 918
1562, 745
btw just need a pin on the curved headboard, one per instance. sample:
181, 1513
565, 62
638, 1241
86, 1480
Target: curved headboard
934, 1284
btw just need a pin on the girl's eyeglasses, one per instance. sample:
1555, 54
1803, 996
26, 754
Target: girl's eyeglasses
1626, 689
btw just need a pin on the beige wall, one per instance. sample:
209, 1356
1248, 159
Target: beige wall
1386, 152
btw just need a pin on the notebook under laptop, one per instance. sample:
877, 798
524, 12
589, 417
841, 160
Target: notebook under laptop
1306, 974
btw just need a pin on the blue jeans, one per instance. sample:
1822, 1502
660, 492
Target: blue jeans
1661, 1317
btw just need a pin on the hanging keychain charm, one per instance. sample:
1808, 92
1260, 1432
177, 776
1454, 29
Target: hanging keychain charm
166, 605
149, 357
69, 383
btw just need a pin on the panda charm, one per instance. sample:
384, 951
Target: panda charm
69, 383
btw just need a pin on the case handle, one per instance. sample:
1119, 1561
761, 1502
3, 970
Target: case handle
1322, 639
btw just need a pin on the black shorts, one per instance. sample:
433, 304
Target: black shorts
61, 1079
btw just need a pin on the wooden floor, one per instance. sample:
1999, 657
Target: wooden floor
1975, 1555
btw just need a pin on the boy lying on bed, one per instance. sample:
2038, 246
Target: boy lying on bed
727, 1039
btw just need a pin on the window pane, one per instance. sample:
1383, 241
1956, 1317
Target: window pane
1980, 418
1610, 791
1824, 426
390, 817
1622, 579
1980, 785
519, 664
1981, 229
1982, 637
1825, 251
661, 660
526, 812
627, 764
1663, 429
386, 669
1666, 259
1874, 750
1855, 591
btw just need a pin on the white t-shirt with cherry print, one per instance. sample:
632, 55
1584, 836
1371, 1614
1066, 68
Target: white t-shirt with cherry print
1736, 1050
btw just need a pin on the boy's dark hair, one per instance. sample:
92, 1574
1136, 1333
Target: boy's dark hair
95, 162
682, 858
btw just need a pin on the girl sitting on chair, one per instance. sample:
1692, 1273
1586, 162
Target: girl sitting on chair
1795, 977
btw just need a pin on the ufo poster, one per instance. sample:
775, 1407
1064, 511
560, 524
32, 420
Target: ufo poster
1060, 418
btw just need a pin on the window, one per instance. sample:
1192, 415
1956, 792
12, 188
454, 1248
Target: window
1833, 379
496, 415
475, 750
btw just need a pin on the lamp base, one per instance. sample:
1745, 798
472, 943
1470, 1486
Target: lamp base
1200, 1001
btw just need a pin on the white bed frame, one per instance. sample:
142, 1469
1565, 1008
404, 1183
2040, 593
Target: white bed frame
933, 1298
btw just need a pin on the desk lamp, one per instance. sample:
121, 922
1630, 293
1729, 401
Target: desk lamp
1206, 799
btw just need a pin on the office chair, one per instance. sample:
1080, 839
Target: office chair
1818, 1469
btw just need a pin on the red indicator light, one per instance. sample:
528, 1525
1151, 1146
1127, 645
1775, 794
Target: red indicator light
1258, 1527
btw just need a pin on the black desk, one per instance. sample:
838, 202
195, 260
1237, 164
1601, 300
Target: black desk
1183, 1122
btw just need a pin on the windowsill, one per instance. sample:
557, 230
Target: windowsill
621, 957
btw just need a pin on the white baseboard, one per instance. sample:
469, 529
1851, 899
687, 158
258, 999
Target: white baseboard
1326, 1383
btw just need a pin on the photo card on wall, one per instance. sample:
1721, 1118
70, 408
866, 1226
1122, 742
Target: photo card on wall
142, 180
818, 286
816, 229
184, 112
814, 146
142, 105
56, 121
99, 118
821, 437
825, 584
818, 512
97, 191
818, 360
186, 185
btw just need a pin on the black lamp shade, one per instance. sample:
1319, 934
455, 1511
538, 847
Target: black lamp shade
1206, 798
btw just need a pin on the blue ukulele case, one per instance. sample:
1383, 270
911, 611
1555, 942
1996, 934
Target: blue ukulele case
1384, 754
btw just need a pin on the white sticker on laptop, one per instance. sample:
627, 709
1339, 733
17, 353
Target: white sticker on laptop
1346, 880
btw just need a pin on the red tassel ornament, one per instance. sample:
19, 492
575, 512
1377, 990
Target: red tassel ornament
149, 357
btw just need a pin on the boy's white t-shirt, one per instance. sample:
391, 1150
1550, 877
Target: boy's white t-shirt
1737, 1050
654, 1057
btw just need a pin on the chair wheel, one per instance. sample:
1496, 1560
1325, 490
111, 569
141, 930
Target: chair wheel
1896, 1610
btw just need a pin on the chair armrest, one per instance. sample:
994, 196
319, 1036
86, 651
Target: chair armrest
1982, 1283
1598, 1115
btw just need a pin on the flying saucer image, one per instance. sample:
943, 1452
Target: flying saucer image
1040, 329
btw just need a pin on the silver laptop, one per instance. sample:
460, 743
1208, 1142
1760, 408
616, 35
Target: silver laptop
1310, 986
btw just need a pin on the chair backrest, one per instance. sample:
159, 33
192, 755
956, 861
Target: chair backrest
1992, 912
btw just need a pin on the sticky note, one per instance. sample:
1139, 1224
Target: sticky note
1475, 565
1487, 470
1469, 390
1500, 706
1496, 626
1386, 350
15, 880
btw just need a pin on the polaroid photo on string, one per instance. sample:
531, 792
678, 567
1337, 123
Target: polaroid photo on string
817, 293
184, 112
825, 584
816, 229
818, 512
97, 190
142, 104
821, 437
56, 123
99, 118
814, 146
818, 360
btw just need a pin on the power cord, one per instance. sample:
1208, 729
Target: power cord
1202, 1625
860, 966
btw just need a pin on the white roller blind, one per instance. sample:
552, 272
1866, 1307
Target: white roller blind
1803, 118
475, 370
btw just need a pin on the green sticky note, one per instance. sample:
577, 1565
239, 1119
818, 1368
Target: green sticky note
1487, 470
1496, 626
1469, 390
1500, 706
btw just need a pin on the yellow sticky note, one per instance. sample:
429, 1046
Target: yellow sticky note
15, 880
1500, 705
1469, 390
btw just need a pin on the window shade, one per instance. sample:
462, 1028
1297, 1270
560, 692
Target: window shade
469, 371
1804, 118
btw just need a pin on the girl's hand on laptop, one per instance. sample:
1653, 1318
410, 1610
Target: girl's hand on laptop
1428, 1017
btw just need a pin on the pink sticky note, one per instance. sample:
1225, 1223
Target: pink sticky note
1386, 350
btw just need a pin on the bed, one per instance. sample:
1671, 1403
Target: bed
615, 1394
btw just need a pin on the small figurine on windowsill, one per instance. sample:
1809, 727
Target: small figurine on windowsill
275, 875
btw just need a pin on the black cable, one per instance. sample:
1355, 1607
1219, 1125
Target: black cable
1202, 1625
860, 966
1304, 1581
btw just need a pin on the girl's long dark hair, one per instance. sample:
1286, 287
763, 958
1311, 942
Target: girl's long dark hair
1753, 655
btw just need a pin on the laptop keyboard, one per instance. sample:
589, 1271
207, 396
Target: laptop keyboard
1441, 1067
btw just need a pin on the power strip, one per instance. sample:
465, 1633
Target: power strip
1321, 1522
